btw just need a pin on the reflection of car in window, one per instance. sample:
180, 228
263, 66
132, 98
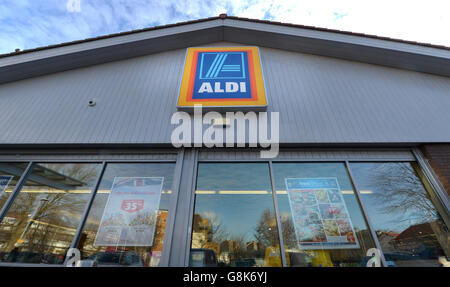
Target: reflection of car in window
201, 257
30, 257
116, 259
247, 262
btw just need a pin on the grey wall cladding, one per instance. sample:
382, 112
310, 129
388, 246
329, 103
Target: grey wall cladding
320, 100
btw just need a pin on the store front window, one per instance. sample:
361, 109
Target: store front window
127, 221
409, 227
42, 221
321, 220
234, 220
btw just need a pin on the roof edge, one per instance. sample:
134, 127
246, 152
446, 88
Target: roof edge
223, 17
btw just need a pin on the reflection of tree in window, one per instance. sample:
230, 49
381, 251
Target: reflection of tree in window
209, 231
148, 256
46, 213
408, 226
402, 192
266, 231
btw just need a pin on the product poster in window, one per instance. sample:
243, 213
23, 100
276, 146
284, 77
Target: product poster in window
130, 215
319, 214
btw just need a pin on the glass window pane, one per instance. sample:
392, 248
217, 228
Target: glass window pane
410, 229
234, 220
320, 216
44, 216
10, 174
127, 221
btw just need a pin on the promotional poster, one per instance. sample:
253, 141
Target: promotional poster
319, 214
129, 218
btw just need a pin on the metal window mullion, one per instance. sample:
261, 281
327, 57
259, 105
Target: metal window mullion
77, 236
195, 164
172, 211
432, 179
16, 190
277, 216
365, 214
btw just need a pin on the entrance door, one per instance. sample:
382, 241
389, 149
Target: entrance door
234, 220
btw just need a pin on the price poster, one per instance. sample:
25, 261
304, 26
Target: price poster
4, 181
319, 214
130, 215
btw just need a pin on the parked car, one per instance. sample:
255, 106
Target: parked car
201, 257
112, 259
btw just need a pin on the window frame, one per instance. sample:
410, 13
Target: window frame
103, 164
179, 223
417, 157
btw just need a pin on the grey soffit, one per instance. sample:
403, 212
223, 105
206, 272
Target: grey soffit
301, 154
312, 155
88, 155
380, 51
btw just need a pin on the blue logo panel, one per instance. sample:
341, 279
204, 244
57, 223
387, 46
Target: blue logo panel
222, 75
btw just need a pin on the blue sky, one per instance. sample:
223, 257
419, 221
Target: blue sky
28, 24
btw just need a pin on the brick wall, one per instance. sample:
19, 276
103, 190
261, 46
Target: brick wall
439, 159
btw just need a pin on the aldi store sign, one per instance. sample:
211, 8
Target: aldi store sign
223, 78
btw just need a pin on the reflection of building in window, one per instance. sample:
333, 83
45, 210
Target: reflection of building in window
143, 255
42, 242
161, 223
228, 249
42, 221
229, 245
385, 238
254, 246
203, 234
202, 231
423, 239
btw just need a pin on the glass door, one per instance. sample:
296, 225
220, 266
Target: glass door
234, 222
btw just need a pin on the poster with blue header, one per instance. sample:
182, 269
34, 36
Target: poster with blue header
319, 214
130, 215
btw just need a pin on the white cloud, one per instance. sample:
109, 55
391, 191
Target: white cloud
422, 21
27, 24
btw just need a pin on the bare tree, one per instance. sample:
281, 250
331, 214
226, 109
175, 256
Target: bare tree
266, 230
40, 215
211, 227
401, 192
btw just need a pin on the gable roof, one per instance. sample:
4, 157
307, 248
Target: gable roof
223, 16
420, 57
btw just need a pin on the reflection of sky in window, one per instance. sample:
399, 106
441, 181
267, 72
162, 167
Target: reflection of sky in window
66, 208
392, 184
238, 213
10, 169
317, 170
